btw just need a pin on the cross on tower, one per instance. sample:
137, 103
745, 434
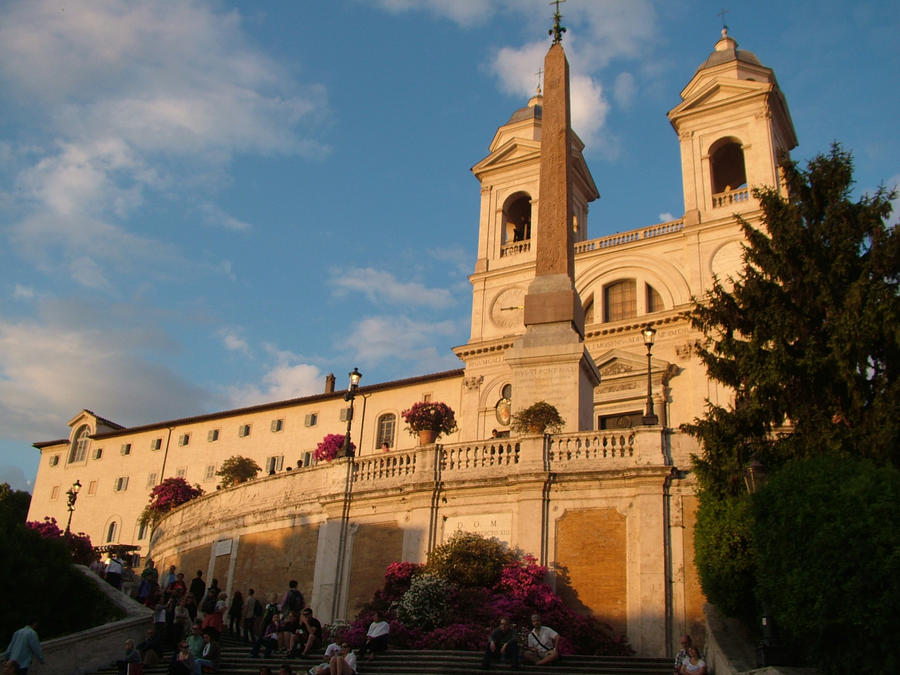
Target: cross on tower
722, 13
557, 29
539, 73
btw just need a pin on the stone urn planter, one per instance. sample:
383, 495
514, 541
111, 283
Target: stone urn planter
427, 436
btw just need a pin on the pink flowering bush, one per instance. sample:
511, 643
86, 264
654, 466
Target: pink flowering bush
430, 416
453, 607
330, 447
166, 496
79, 545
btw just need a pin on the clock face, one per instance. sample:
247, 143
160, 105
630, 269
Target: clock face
506, 311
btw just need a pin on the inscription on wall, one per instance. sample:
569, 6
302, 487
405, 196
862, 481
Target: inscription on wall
489, 525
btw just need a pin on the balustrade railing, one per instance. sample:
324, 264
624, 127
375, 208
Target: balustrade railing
731, 197
621, 238
514, 248
384, 466
481, 454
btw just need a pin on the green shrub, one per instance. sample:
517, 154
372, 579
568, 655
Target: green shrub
723, 553
828, 561
468, 559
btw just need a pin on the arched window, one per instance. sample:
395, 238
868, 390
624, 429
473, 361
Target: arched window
111, 532
654, 300
80, 445
620, 300
517, 218
385, 428
726, 159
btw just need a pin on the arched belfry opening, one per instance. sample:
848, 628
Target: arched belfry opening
726, 161
517, 218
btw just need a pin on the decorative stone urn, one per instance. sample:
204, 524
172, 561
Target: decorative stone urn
427, 436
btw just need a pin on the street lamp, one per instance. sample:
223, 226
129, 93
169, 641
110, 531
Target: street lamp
355, 377
754, 475
71, 498
649, 332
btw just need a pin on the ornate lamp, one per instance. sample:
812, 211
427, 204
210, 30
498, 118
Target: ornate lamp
648, 332
355, 377
71, 498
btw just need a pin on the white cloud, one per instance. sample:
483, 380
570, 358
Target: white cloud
379, 338
665, 217
463, 12
283, 380
624, 89
382, 287
139, 98
235, 343
21, 292
71, 357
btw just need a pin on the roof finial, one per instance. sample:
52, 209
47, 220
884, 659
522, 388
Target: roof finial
539, 73
557, 29
722, 13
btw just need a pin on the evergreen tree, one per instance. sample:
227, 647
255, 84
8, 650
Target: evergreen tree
808, 334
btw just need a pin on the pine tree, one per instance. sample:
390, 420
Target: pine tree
808, 334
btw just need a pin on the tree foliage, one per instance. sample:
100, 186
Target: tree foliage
828, 561
807, 337
468, 559
30, 565
237, 469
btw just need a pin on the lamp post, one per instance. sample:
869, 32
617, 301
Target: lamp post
71, 498
355, 377
649, 332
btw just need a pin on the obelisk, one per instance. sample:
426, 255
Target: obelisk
550, 362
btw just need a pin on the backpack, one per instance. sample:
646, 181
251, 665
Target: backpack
295, 600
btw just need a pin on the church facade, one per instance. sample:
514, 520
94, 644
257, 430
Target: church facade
607, 504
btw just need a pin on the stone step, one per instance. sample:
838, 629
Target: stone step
236, 660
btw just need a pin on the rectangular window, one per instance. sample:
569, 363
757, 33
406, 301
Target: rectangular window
244, 430
213, 435
385, 430
623, 420
142, 530
156, 444
98, 453
181, 472
210, 472
92, 488
621, 300
274, 464
126, 449
311, 420
121, 484
54, 460
54, 492
345, 414
307, 458
184, 439
151, 480
654, 300
277, 425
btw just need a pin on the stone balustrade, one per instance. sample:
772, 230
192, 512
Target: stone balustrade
515, 248
620, 238
730, 197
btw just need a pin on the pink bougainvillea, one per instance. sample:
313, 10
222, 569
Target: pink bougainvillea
79, 544
166, 496
331, 446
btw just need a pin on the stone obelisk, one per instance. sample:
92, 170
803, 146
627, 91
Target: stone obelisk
550, 362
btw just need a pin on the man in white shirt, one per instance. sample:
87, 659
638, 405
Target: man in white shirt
543, 643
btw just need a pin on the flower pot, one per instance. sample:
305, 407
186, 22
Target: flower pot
536, 429
427, 436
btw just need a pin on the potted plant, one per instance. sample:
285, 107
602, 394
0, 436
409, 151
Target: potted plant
428, 420
332, 446
237, 469
537, 418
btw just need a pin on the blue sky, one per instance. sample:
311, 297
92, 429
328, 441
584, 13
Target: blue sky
208, 204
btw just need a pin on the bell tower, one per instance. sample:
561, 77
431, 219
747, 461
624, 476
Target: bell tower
732, 122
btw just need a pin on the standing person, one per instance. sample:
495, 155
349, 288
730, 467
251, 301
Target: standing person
252, 610
198, 586
149, 581
682, 655
168, 577
502, 645
132, 655
236, 613
543, 643
114, 569
376, 636
292, 600
24, 646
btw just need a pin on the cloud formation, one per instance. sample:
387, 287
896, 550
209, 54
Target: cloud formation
380, 338
383, 287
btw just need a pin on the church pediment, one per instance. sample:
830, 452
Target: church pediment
617, 363
514, 151
716, 92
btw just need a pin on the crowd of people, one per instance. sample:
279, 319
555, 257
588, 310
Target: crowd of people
190, 618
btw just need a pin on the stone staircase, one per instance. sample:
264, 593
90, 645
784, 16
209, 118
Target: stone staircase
236, 660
